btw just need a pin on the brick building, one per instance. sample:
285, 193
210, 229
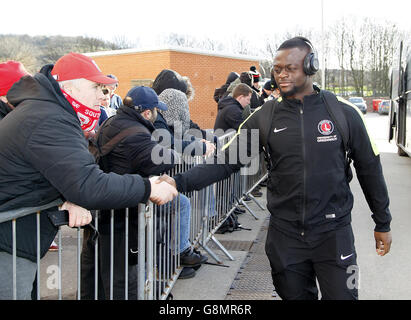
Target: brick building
207, 70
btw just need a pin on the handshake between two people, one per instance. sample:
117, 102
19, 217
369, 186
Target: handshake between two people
163, 189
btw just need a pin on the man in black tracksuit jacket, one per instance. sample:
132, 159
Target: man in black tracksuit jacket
308, 194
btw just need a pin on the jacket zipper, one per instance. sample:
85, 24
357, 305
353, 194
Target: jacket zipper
304, 166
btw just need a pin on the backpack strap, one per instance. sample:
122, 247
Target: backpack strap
109, 146
267, 136
337, 115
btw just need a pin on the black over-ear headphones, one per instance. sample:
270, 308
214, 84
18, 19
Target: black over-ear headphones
311, 64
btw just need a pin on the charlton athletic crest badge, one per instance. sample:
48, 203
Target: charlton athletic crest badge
326, 127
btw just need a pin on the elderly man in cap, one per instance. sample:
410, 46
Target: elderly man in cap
44, 156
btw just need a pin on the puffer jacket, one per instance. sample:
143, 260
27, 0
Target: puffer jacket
44, 155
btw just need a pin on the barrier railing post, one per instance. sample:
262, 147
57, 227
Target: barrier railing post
150, 252
244, 179
204, 237
78, 264
126, 254
59, 266
13, 226
38, 254
96, 263
111, 253
141, 251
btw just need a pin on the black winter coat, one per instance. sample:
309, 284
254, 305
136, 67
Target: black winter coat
44, 155
4, 109
229, 114
219, 92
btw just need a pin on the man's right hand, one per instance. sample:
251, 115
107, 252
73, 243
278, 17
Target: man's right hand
210, 148
383, 242
168, 179
161, 191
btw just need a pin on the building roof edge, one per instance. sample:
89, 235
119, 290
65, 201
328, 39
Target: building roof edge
175, 49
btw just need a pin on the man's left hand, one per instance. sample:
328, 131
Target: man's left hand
78, 216
382, 242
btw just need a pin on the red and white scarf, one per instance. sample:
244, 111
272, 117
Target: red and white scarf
87, 116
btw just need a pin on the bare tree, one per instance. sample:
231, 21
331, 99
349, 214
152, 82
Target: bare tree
212, 44
15, 48
122, 42
339, 32
91, 44
181, 40
240, 45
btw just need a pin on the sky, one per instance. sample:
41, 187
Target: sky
217, 19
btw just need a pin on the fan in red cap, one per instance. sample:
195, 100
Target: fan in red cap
10, 72
76, 66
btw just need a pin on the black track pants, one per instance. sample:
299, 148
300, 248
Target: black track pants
297, 264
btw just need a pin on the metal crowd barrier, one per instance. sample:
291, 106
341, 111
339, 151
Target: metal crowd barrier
158, 264
13, 215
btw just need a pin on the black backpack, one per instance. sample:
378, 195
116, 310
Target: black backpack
337, 115
334, 109
230, 224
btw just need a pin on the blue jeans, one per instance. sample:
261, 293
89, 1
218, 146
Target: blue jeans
185, 213
25, 273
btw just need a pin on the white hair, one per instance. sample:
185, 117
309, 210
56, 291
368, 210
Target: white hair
77, 83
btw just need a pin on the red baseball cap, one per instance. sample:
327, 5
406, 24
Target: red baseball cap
75, 66
10, 72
